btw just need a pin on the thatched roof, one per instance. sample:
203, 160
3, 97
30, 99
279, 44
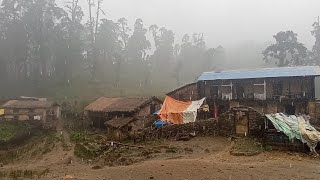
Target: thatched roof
125, 104
26, 104
119, 122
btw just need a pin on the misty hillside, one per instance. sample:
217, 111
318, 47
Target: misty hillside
69, 50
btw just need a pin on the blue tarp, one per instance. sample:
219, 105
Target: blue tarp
158, 123
157, 112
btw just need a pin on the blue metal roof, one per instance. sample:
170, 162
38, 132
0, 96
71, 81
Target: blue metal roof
262, 73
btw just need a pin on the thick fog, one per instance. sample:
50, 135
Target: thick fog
243, 27
224, 22
146, 47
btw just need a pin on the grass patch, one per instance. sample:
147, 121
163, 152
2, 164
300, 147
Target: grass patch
246, 147
77, 137
172, 150
8, 130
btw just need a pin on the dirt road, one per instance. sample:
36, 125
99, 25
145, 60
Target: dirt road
263, 166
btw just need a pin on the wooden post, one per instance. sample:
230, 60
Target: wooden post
265, 89
204, 89
313, 87
234, 122
231, 86
289, 88
248, 116
134, 137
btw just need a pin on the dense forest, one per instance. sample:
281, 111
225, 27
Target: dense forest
61, 52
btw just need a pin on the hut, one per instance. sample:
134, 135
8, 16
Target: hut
128, 113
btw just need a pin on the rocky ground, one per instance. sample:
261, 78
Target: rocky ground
199, 158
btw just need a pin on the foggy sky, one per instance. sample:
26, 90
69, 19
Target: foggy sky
225, 22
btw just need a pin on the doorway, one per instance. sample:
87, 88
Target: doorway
241, 123
290, 110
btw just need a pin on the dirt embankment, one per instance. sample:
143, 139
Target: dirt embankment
199, 158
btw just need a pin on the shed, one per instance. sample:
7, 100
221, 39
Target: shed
119, 122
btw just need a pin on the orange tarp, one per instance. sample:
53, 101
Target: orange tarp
172, 110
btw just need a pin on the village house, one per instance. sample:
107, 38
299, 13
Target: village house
283, 89
122, 113
32, 109
241, 98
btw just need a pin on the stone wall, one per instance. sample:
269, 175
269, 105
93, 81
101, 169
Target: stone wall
256, 123
226, 123
223, 126
143, 112
315, 113
200, 128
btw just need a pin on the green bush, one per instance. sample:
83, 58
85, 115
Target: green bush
77, 137
8, 130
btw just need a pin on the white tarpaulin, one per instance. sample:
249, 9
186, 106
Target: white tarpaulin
179, 112
297, 127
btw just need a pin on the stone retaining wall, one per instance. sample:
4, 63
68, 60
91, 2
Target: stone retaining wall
200, 128
223, 126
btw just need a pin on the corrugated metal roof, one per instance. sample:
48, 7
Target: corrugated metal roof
262, 73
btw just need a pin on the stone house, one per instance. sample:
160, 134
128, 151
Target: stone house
33, 109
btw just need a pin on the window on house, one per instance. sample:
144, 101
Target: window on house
277, 88
215, 91
290, 110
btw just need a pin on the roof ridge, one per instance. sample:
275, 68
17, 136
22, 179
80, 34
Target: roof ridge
296, 71
257, 69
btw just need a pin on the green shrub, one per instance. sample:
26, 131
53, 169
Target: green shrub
77, 137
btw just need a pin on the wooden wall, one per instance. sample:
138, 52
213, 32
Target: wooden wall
292, 87
186, 93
